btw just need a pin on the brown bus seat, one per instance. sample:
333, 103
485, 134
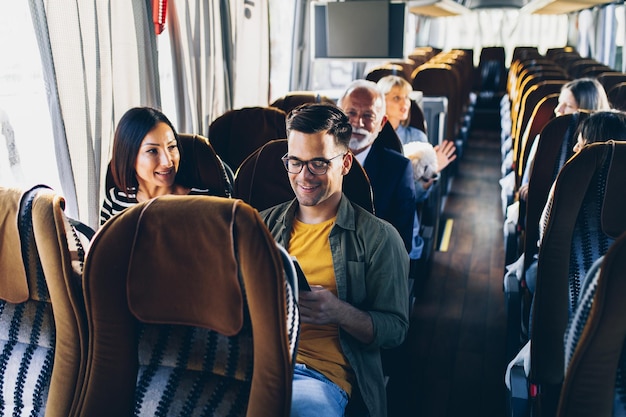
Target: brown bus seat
585, 218
441, 80
609, 79
529, 101
381, 71
188, 310
294, 99
594, 341
617, 96
555, 147
237, 133
541, 115
492, 70
42, 330
62, 249
408, 65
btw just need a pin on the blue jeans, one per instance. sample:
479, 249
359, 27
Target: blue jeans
315, 395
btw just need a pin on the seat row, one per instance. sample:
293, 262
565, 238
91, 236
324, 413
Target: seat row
583, 223
144, 326
437, 73
580, 227
533, 89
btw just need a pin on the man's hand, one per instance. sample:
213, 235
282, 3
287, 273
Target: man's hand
445, 154
321, 306
318, 306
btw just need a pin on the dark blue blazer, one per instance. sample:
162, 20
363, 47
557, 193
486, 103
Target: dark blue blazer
391, 176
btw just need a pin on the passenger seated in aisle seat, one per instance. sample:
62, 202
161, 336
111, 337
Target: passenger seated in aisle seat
390, 173
599, 127
355, 263
582, 95
145, 160
398, 106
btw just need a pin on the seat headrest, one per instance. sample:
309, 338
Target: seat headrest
261, 180
375, 74
617, 96
13, 284
201, 167
294, 99
237, 133
207, 280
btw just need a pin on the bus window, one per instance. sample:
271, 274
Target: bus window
27, 154
497, 27
281, 48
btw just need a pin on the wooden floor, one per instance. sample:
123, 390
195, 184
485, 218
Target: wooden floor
454, 355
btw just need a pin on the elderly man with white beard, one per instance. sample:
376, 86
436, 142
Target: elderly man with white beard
390, 173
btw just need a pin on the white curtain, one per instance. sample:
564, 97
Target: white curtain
199, 38
586, 34
99, 59
498, 27
605, 28
251, 53
301, 49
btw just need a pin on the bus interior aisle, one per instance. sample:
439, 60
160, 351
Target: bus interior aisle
454, 356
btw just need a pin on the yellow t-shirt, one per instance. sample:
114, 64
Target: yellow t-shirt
319, 346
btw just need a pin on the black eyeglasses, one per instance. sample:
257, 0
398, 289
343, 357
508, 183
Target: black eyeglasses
316, 166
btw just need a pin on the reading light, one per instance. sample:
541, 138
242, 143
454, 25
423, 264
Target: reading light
437, 8
559, 6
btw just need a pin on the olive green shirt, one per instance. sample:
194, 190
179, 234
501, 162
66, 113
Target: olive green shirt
371, 270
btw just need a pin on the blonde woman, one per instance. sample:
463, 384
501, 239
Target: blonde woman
398, 107
584, 95
397, 91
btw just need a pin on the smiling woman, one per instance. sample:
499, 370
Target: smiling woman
157, 164
145, 161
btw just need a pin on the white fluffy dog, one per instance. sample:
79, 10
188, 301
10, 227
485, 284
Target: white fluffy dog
423, 159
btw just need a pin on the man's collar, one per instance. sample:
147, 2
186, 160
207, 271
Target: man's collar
361, 156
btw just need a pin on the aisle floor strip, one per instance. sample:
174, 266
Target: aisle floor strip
445, 238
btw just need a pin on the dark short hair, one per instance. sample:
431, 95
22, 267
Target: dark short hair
132, 128
603, 125
320, 117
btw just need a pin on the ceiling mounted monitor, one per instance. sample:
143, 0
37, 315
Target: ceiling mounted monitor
359, 30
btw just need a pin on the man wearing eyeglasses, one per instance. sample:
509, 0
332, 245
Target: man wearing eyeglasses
390, 173
355, 263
